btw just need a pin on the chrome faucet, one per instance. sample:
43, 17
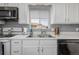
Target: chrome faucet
43, 33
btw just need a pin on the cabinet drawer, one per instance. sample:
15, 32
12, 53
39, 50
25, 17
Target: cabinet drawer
16, 42
16, 50
29, 43
48, 43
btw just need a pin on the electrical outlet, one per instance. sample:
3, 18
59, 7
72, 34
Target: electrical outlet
77, 29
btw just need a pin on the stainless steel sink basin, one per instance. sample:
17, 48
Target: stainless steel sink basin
44, 36
41, 36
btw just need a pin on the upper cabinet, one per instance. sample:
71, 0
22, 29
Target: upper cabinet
59, 14
72, 13
65, 13
23, 13
52, 13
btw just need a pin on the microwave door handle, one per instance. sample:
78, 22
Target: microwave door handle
9, 13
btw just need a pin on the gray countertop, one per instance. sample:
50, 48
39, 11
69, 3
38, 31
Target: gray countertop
63, 35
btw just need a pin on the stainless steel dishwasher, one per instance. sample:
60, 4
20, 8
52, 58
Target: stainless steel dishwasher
68, 47
4, 47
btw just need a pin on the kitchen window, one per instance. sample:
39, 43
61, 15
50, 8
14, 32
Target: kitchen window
39, 17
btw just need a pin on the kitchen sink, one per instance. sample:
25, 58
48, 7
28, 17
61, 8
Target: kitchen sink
41, 36
44, 36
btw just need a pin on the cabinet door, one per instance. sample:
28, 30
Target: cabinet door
48, 43
73, 13
31, 47
52, 14
59, 14
48, 51
48, 47
26, 14
23, 13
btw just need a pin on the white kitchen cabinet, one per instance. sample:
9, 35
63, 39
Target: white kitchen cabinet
30, 47
72, 16
23, 13
59, 14
40, 47
62, 13
48, 51
52, 13
48, 47
27, 14
16, 47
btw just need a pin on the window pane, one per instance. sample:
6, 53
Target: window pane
44, 23
35, 23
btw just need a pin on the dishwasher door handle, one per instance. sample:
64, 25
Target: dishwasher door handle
2, 48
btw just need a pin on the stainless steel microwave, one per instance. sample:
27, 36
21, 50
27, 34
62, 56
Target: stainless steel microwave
8, 12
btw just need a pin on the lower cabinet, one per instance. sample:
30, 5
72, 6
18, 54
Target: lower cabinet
48, 47
40, 47
30, 47
34, 47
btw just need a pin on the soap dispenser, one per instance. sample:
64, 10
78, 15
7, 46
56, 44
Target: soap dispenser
30, 31
57, 31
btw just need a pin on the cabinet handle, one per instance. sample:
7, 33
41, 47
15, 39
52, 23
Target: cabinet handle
42, 50
38, 49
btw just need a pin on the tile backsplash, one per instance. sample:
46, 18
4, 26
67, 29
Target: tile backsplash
66, 27
63, 27
14, 24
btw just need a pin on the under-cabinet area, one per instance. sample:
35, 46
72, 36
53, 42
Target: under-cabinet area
39, 28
